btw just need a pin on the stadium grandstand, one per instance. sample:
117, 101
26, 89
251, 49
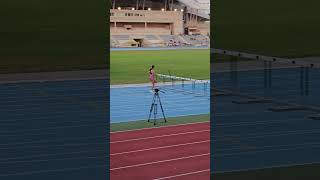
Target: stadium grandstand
159, 23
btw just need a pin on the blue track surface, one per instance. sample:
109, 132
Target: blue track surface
53, 129
249, 136
133, 103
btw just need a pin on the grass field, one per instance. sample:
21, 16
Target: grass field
310, 171
287, 28
132, 66
53, 35
171, 121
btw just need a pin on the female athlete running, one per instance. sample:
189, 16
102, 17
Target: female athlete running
152, 76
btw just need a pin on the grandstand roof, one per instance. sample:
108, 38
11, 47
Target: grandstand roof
202, 5
198, 4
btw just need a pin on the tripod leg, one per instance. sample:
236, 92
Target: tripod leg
165, 120
150, 112
155, 113
152, 106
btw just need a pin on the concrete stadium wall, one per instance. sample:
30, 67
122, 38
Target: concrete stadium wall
146, 22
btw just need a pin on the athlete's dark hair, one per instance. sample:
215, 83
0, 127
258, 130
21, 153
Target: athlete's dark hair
151, 69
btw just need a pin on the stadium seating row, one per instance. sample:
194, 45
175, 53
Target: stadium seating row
158, 40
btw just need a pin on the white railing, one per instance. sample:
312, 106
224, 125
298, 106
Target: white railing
182, 78
262, 57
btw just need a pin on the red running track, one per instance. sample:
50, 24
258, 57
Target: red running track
171, 152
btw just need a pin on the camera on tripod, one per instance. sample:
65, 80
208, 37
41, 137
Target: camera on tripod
154, 107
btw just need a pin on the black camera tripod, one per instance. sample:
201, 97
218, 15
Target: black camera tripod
154, 107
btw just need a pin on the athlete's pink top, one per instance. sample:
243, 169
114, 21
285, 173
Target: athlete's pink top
152, 75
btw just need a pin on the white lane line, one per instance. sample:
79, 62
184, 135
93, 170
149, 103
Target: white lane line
166, 135
167, 83
157, 162
185, 174
159, 127
161, 147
